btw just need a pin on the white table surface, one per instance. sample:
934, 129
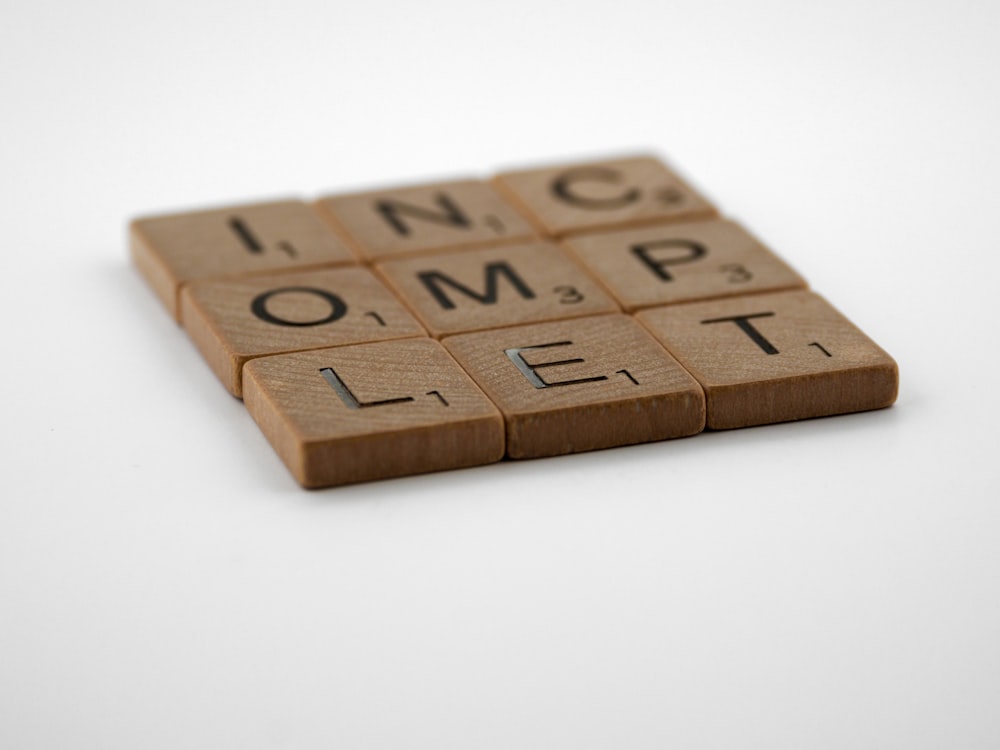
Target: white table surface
834, 583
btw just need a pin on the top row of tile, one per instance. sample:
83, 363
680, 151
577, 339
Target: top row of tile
517, 206
514, 206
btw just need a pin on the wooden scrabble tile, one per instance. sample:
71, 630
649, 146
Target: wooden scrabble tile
173, 250
579, 385
574, 198
371, 411
682, 262
234, 321
495, 287
775, 357
406, 220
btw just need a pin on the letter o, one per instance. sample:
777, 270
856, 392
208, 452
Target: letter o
258, 307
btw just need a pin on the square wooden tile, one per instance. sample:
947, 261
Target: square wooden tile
579, 385
172, 250
775, 357
371, 411
682, 262
231, 322
495, 287
572, 198
417, 219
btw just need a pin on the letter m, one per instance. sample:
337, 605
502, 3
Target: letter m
435, 281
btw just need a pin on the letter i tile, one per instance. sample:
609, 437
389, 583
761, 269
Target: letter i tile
775, 357
371, 411
579, 385
174, 250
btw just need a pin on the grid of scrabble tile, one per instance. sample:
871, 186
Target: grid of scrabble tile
580, 306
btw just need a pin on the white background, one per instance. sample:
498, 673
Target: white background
828, 584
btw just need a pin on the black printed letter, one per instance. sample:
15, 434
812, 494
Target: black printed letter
528, 370
432, 280
643, 252
562, 188
743, 321
259, 307
349, 399
451, 215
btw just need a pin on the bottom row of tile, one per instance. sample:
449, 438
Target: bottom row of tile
371, 411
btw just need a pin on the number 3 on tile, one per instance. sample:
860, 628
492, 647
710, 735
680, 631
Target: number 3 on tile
738, 273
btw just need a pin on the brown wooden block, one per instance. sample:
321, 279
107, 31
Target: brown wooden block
371, 411
233, 321
775, 357
173, 250
682, 262
574, 198
495, 287
418, 219
579, 385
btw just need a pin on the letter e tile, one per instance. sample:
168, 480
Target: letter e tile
579, 385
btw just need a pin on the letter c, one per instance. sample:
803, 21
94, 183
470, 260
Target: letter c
563, 188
